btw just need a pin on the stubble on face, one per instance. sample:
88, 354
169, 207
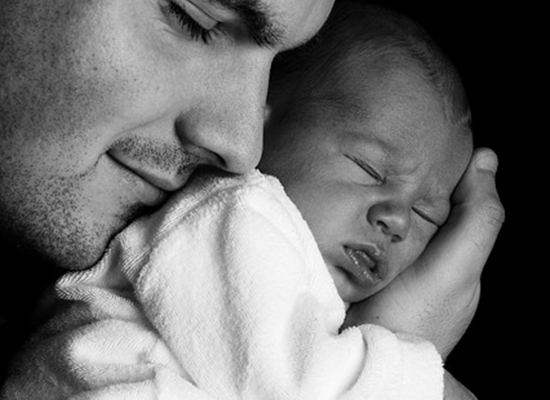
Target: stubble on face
46, 219
168, 159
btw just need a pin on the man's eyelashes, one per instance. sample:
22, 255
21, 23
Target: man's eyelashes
189, 24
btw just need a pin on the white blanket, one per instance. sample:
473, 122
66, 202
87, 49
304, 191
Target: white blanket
222, 294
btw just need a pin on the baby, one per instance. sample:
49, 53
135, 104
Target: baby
234, 290
369, 135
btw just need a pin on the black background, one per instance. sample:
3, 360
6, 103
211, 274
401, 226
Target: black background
493, 48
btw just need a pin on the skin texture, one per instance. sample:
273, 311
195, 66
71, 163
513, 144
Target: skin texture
373, 172
109, 105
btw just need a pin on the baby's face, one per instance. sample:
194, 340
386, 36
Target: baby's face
372, 176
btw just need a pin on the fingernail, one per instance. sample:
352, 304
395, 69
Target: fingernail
487, 161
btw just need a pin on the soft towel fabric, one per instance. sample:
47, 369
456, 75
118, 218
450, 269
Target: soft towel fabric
222, 294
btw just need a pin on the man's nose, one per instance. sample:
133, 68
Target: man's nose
229, 118
391, 218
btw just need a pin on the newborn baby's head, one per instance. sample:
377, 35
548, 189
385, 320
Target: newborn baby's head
370, 153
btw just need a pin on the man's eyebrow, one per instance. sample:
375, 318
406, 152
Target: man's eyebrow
258, 19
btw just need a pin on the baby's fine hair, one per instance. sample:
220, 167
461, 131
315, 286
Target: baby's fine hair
363, 33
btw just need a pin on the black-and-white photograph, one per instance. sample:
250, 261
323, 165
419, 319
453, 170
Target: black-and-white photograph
264, 199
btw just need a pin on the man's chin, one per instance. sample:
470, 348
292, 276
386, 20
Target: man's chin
71, 255
76, 258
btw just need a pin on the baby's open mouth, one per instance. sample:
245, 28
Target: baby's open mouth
363, 267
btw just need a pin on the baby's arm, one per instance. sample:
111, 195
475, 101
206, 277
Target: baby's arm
98, 346
268, 312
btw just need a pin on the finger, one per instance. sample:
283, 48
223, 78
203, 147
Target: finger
477, 213
476, 197
461, 248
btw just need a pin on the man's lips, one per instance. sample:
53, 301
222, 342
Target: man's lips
364, 265
161, 182
166, 177
145, 191
166, 166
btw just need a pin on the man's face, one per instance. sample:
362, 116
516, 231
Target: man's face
372, 175
108, 105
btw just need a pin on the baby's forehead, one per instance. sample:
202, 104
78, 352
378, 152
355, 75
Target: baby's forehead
401, 99
390, 102
405, 146
401, 118
364, 89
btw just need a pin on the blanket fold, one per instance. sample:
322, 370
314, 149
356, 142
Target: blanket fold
221, 294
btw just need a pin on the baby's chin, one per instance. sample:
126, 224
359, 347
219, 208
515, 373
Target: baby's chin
350, 292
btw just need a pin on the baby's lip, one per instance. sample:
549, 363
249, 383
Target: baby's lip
365, 264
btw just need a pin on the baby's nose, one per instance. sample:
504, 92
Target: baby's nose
392, 219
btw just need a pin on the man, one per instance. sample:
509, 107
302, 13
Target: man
108, 106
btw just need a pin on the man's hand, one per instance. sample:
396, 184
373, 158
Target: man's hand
437, 296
